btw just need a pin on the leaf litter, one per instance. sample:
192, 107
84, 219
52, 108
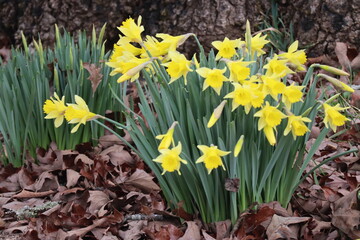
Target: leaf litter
107, 192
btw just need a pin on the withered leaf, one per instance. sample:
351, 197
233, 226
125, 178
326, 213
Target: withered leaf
72, 178
341, 53
346, 214
142, 180
232, 184
95, 75
192, 231
27, 194
281, 227
97, 199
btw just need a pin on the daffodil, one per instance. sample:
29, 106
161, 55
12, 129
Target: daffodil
333, 118
213, 78
270, 117
178, 67
277, 68
78, 113
170, 159
295, 57
247, 95
292, 94
238, 70
216, 114
133, 73
128, 65
154, 47
226, 48
272, 86
55, 108
131, 30
257, 44
211, 157
167, 138
296, 124
173, 41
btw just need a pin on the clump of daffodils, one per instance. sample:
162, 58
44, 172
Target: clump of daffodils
228, 115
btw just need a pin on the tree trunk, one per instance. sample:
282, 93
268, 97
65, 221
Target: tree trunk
317, 23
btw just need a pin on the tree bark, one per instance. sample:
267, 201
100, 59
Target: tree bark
317, 23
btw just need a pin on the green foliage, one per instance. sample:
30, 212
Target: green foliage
30, 77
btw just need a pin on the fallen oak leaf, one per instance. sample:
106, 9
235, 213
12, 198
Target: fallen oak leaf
280, 227
192, 231
97, 199
341, 53
346, 214
95, 75
72, 178
80, 232
28, 194
143, 181
206, 235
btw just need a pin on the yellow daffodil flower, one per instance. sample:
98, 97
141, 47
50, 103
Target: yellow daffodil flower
170, 159
216, 114
167, 138
226, 48
238, 70
277, 68
270, 117
257, 44
78, 113
238, 146
131, 30
333, 118
211, 157
292, 94
133, 73
55, 108
178, 67
173, 41
296, 125
272, 86
247, 95
295, 57
155, 48
213, 78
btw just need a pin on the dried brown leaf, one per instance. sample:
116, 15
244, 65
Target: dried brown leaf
118, 155
232, 184
143, 181
206, 236
95, 75
80, 232
284, 227
341, 53
5, 54
27, 194
192, 231
109, 140
72, 178
222, 229
46, 181
134, 231
85, 159
355, 63
346, 214
97, 199
16, 205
